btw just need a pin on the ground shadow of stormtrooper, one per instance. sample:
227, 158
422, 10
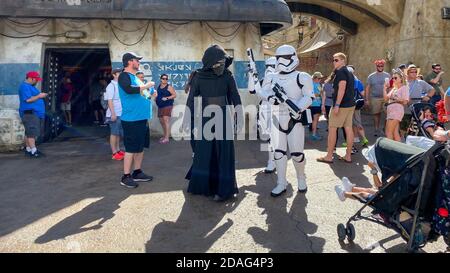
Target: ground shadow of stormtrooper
288, 228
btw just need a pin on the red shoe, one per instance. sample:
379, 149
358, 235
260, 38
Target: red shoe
121, 152
117, 156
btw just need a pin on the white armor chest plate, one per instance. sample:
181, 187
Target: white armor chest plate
289, 84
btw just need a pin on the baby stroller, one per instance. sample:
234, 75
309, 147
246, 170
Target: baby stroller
415, 127
408, 204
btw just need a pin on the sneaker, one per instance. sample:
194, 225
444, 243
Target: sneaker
141, 177
365, 142
354, 150
128, 182
315, 138
117, 156
340, 192
121, 152
27, 153
96, 122
37, 154
347, 185
356, 140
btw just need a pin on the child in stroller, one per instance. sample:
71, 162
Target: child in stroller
349, 190
406, 199
424, 120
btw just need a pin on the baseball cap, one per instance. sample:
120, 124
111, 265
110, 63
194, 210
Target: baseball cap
129, 56
317, 75
34, 75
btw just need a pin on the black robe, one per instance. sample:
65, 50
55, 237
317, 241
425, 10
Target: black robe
213, 167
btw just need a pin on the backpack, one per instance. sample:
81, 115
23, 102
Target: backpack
359, 100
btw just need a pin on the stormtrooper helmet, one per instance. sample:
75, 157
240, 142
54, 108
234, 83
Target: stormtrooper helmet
287, 59
271, 63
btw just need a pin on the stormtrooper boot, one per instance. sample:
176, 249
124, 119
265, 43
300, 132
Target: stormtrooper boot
281, 182
279, 189
270, 167
271, 162
299, 165
302, 188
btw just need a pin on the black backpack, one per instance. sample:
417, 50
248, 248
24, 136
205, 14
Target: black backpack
359, 100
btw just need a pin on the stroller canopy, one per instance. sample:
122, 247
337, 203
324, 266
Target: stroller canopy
393, 156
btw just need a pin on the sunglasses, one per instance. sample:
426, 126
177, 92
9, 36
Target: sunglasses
336, 60
137, 60
395, 78
164, 79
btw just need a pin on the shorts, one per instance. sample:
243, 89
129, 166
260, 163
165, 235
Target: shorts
97, 105
33, 125
357, 122
376, 105
315, 110
115, 126
327, 112
406, 120
136, 136
343, 119
65, 106
165, 111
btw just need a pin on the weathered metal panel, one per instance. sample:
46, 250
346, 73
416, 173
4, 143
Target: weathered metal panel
188, 10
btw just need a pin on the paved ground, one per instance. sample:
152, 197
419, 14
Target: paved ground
71, 201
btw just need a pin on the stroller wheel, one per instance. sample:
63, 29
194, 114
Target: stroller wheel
342, 233
351, 233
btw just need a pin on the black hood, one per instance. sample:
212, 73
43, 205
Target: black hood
214, 54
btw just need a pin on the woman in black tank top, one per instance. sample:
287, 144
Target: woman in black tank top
164, 101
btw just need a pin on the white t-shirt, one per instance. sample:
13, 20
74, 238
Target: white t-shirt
112, 93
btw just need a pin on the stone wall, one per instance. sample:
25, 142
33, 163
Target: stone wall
422, 37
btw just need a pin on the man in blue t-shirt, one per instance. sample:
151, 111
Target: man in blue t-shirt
32, 111
136, 111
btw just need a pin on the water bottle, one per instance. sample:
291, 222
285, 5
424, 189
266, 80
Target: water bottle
147, 93
152, 90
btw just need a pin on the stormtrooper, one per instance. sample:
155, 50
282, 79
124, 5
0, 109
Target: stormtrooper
264, 114
288, 125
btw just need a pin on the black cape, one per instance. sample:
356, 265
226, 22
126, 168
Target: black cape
213, 167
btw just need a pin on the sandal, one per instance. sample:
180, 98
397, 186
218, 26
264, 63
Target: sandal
341, 158
323, 160
164, 141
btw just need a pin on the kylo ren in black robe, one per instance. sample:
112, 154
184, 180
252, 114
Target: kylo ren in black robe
213, 167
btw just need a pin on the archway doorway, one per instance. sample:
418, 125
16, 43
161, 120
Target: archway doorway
75, 78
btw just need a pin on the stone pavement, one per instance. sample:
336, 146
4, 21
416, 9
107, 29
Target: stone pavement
71, 201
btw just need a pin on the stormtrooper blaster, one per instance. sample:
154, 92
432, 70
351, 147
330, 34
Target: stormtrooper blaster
253, 82
281, 96
252, 64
